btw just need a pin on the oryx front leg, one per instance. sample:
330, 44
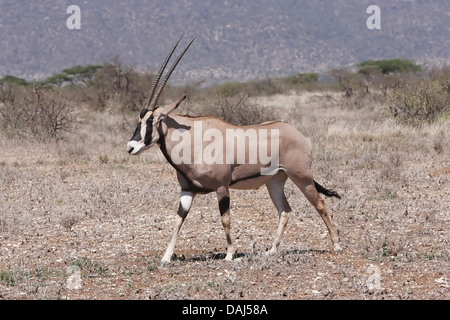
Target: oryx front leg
223, 196
183, 209
275, 186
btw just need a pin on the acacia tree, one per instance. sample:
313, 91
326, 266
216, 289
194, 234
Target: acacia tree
389, 66
386, 74
83, 74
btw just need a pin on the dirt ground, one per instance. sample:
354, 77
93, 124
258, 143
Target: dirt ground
83, 224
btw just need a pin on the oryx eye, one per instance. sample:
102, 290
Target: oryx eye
143, 113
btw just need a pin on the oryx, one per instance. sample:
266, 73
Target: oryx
195, 147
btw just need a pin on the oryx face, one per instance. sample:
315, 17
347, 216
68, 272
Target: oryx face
146, 133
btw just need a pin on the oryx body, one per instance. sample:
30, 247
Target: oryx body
211, 155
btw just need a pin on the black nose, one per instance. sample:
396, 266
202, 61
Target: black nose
130, 150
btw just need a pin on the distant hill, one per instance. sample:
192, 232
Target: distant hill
237, 40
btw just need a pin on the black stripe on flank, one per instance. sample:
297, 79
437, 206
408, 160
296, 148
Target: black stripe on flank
246, 178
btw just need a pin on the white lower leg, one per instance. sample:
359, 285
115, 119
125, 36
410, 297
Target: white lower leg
284, 217
183, 209
171, 246
226, 225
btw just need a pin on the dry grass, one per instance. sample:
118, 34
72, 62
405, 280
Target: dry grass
83, 201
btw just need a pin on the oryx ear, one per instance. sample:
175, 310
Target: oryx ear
164, 111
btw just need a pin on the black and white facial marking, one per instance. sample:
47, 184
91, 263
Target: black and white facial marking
145, 134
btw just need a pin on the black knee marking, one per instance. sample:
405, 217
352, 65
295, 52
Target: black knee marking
224, 204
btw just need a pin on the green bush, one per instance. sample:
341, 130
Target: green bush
56, 80
12, 277
300, 79
389, 66
82, 73
7, 278
11, 80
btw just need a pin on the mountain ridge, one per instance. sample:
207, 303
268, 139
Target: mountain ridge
236, 41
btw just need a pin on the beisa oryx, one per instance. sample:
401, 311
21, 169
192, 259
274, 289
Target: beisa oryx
212, 155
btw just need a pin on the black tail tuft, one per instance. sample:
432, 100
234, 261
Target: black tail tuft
328, 193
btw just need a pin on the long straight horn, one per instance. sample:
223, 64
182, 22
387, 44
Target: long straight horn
160, 72
161, 87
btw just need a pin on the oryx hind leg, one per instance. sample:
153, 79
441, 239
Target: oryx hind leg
186, 200
275, 186
223, 196
306, 185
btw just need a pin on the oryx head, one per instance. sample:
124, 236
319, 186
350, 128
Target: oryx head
147, 130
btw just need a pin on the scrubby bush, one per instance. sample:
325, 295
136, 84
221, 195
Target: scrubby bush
238, 109
301, 78
229, 89
268, 86
121, 84
261, 87
346, 79
421, 102
36, 112
300, 81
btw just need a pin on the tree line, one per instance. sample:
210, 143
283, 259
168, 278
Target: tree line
47, 108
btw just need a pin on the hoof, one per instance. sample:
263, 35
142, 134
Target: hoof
164, 263
229, 257
337, 248
271, 252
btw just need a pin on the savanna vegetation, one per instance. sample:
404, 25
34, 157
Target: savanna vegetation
71, 198
48, 108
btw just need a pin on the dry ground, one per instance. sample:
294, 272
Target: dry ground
84, 204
